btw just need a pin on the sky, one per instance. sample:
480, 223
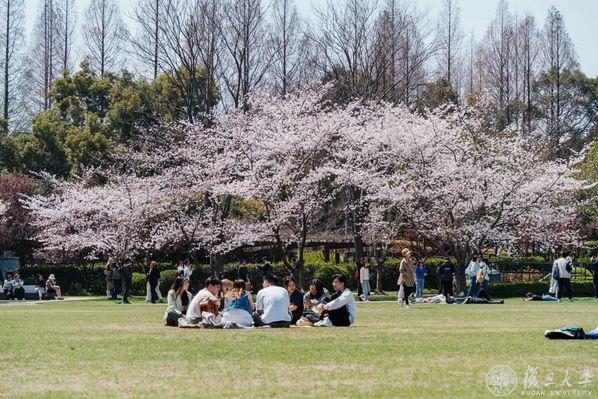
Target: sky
580, 19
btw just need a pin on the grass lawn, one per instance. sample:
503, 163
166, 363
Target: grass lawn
98, 348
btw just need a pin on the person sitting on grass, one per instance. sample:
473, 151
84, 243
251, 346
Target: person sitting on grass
8, 287
40, 286
225, 287
272, 305
206, 298
316, 295
19, 290
544, 297
52, 287
239, 305
178, 300
295, 297
340, 311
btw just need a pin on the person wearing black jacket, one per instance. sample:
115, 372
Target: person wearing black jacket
126, 277
153, 277
445, 272
594, 270
266, 267
295, 298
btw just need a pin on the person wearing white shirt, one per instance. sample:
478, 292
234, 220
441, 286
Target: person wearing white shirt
364, 278
340, 311
272, 305
472, 272
208, 294
565, 266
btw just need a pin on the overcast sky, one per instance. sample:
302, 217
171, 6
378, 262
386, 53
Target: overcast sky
580, 19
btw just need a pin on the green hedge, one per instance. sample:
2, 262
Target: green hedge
79, 280
509, 290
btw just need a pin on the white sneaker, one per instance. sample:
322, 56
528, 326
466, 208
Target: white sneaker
325, 322
362, 297
406, 306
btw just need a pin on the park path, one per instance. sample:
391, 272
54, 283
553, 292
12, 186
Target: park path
36, 302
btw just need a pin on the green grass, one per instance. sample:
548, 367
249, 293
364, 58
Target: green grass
97, 349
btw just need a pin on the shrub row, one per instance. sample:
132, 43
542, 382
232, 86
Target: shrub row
81, 280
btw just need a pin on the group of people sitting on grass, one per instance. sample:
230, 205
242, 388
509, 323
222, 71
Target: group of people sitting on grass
228, 304
478, 271
14, 287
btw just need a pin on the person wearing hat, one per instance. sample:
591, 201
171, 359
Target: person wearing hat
406, 276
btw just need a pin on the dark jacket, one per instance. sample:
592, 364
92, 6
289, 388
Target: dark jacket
296, 298
153, 275
445, 271
125, 273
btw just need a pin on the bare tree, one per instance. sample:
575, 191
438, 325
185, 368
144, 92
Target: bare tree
289, 45
529, 44
558, 54
497, 58
12, 16
103, 32
248, 50
145, 45
65, 32
345, 37
449, 39
41, 66
188, 51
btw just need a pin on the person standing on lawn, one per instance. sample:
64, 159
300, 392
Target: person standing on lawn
108, 275
243, 274
472, 271
126, 278
116, 281
445, 273
594, 270
407, 276
565, 268
364, 279
420, 278
153, 278
266, 267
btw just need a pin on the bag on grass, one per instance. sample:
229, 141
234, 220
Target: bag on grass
567, 332
172, 318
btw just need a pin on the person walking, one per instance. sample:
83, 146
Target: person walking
153, 278
445, 273
364, 279
565, 268
407, 276
420, 278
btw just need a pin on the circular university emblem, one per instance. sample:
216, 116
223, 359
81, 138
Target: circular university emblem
501, 380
